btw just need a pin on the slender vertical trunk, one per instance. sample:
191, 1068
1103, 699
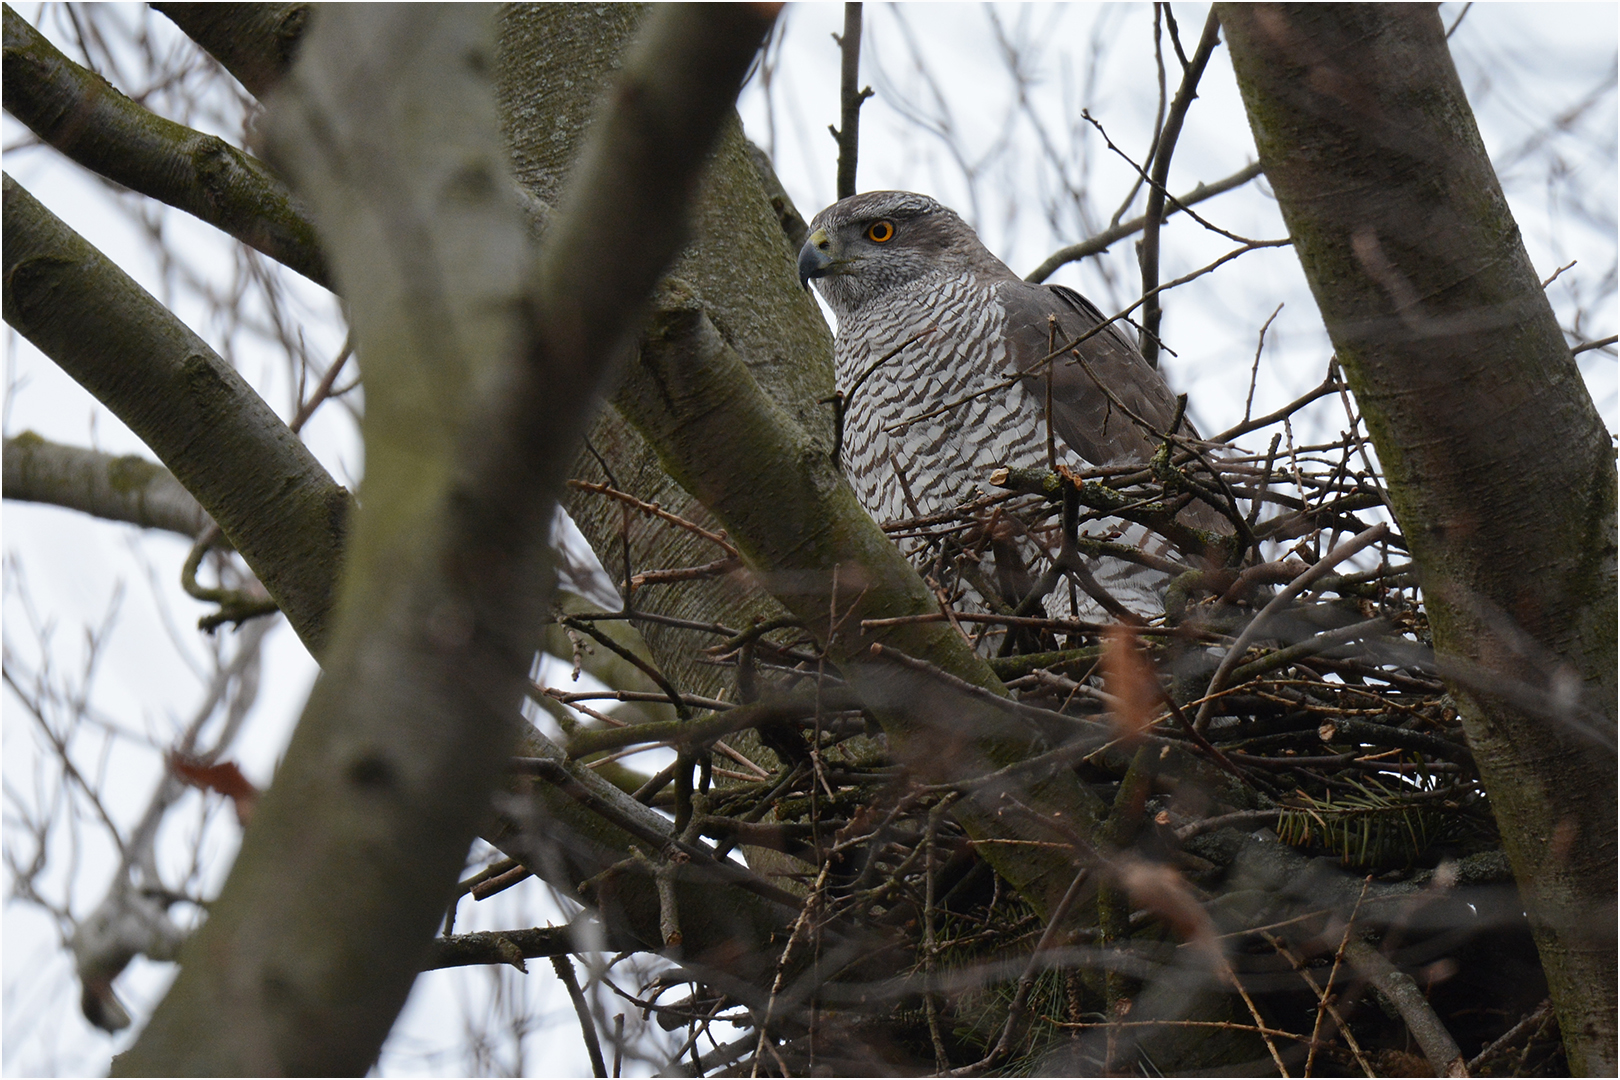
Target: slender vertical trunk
1501, 473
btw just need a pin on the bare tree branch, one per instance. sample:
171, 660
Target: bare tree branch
564, 967
1152, 312
1408, 998
850, 97
500, 947
1110, 236
254, 42
275, 503
127, 488
82, 115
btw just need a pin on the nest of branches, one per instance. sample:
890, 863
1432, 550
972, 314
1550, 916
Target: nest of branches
1296, 871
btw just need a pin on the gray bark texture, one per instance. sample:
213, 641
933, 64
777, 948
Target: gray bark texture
118, 488
274, 502
254, 42
1500, 470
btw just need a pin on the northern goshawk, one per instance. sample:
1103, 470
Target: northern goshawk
946, 360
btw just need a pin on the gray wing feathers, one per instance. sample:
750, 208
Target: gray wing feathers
1086, 417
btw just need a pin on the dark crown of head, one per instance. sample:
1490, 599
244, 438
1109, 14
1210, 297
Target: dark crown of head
882, 204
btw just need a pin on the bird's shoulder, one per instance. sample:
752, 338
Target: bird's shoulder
1031, 307
1105, 396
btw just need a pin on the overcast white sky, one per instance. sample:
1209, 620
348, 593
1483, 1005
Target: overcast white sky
1523, 65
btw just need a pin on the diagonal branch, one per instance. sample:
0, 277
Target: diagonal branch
1278, 604
83, 116
1108, 237
254, 42
275, 503
798, 527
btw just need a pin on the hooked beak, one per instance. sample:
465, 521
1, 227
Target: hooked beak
815, 258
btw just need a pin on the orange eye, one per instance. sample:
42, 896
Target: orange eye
880, 232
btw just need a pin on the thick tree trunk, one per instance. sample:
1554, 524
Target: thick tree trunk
1500, 470
555, 60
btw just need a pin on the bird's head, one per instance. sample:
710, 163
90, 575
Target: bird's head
867, 244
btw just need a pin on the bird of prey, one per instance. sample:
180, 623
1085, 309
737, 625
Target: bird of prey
946, 358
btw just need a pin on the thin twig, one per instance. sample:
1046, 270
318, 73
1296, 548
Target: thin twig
1205, 222
323, 389
1102, 241
1013, 1029
603, 638
850, 97
1329, 386
1323, 995
1533, 1019
1152, 312
1452, 29
1338, 960
1254, 372
564, 967
654, 510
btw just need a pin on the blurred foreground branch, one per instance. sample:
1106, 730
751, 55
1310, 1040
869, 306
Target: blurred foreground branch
389, 127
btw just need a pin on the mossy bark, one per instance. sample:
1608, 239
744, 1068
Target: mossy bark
255, 42
85, 117
805, 537
118, 488
555, 62
1500, 471
475, 356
